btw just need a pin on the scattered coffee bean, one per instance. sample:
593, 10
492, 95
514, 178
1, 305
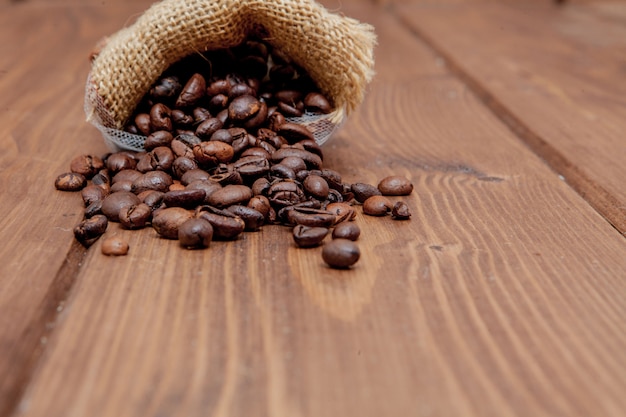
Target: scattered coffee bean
308, 237
346, 230
90, 229
70, 181
364, 191
114, 246
395, 185
86, 165
400, 211
377, 205
341, 253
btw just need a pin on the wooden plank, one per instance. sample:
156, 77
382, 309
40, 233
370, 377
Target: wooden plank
43, 67
553, 74
499, 298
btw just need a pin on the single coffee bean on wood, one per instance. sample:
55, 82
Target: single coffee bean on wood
395, 185
70, 181
377, 205
400, 211
341, 253
88, 230
308, 237
114, 246
363, 191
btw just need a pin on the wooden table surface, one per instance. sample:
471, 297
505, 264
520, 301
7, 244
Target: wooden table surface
505, 295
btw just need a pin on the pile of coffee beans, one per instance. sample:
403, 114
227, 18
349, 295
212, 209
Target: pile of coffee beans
222, 157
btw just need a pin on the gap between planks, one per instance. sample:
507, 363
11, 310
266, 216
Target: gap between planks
33, 341
593, 193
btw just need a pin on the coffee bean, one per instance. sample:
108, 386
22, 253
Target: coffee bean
282, 171
90, 229
115, 202
167, 221
312, 160
166, 88
152, 180
213, 152
142, 122
341, 253
285, 193
195, 233
346, 230
310, 217
308, 237
93, 209
252, 166
120, 161
343, 212
188, 198
377, 205
317, 103
230, 195
400, 211
126, 175
207, 128
182, 165
225, 224
252, 218
158, 138
121, 186
160, 118
193, 91
294, 132
152, 198
180, 119
70, 181
92, 193
395, 185
86, 165
316, 187
243, 108
114, 246
364, 191
135, 216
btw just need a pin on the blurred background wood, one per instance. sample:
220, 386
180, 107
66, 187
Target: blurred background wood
503, 296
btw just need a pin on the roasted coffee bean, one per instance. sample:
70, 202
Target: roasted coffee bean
218, 103
195, 233
281, 73
90, 229
182, 165
260, 186
166, 88
167, 221
289, 110
181, 148
308, 237
227, 178
102, 179
193, 91
136, 216
180, 119
207, 128
223, 135
192, 175
187, 198
92, 193
312, 146
115, 202
364, 191
400, 211
252, 218
209, 187
230, 195
213, 152
240, 89
334, 196
126, 175
310, 217
282, 171
119, 161
252, 166
377, 205
295, 163
218, 87
312, 160
285, 193
395, 185
158, 138
86, 165
317, 103
122, 186
225, 224
343, 212
152, 180
316, 187
346, 230
341, 253
114, 246
258, 119
243, 108
160, 118
275, 121
93, 209
70, 181
144, 164
160, 158
288, 96
294, 132
152, 198
176, 186
261, 204
142, 122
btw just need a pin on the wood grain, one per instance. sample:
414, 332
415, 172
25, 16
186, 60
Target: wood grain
501, 297
552, 75
43, 65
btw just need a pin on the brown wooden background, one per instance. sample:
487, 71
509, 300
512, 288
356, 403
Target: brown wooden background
505, 295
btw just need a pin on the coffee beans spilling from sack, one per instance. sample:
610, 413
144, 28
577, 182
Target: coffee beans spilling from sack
222, 157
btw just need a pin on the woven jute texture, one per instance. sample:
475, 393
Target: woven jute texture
336, 51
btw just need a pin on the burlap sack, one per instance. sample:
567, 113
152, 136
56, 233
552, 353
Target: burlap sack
336, 51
